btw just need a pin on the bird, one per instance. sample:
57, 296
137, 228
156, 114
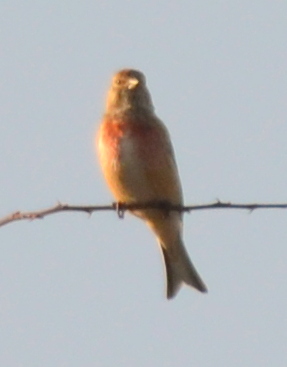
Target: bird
138, 163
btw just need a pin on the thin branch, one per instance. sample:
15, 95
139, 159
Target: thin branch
120, 208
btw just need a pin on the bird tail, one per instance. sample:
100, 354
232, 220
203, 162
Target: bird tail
179, 269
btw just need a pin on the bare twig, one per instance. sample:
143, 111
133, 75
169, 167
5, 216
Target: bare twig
122, 207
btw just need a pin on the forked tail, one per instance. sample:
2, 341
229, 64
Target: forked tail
179, 269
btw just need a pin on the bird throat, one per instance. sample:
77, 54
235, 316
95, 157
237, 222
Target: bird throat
125, 104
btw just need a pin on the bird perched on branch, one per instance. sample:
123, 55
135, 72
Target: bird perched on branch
137, 159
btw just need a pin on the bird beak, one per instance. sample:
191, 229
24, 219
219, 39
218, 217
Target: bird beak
132, 83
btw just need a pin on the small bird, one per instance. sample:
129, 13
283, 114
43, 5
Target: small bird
138, 162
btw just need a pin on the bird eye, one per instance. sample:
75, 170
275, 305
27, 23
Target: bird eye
118, 81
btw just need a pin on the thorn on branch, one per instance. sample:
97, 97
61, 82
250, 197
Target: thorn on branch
36, 216
89, 212
16, 215
61, 206
252, 208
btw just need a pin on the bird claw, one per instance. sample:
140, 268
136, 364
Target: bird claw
165, 206
119, 209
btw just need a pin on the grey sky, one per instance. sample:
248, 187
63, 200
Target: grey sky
80, 291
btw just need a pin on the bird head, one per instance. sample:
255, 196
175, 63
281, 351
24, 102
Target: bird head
128, 92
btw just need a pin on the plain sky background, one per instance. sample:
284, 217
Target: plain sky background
90, 291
